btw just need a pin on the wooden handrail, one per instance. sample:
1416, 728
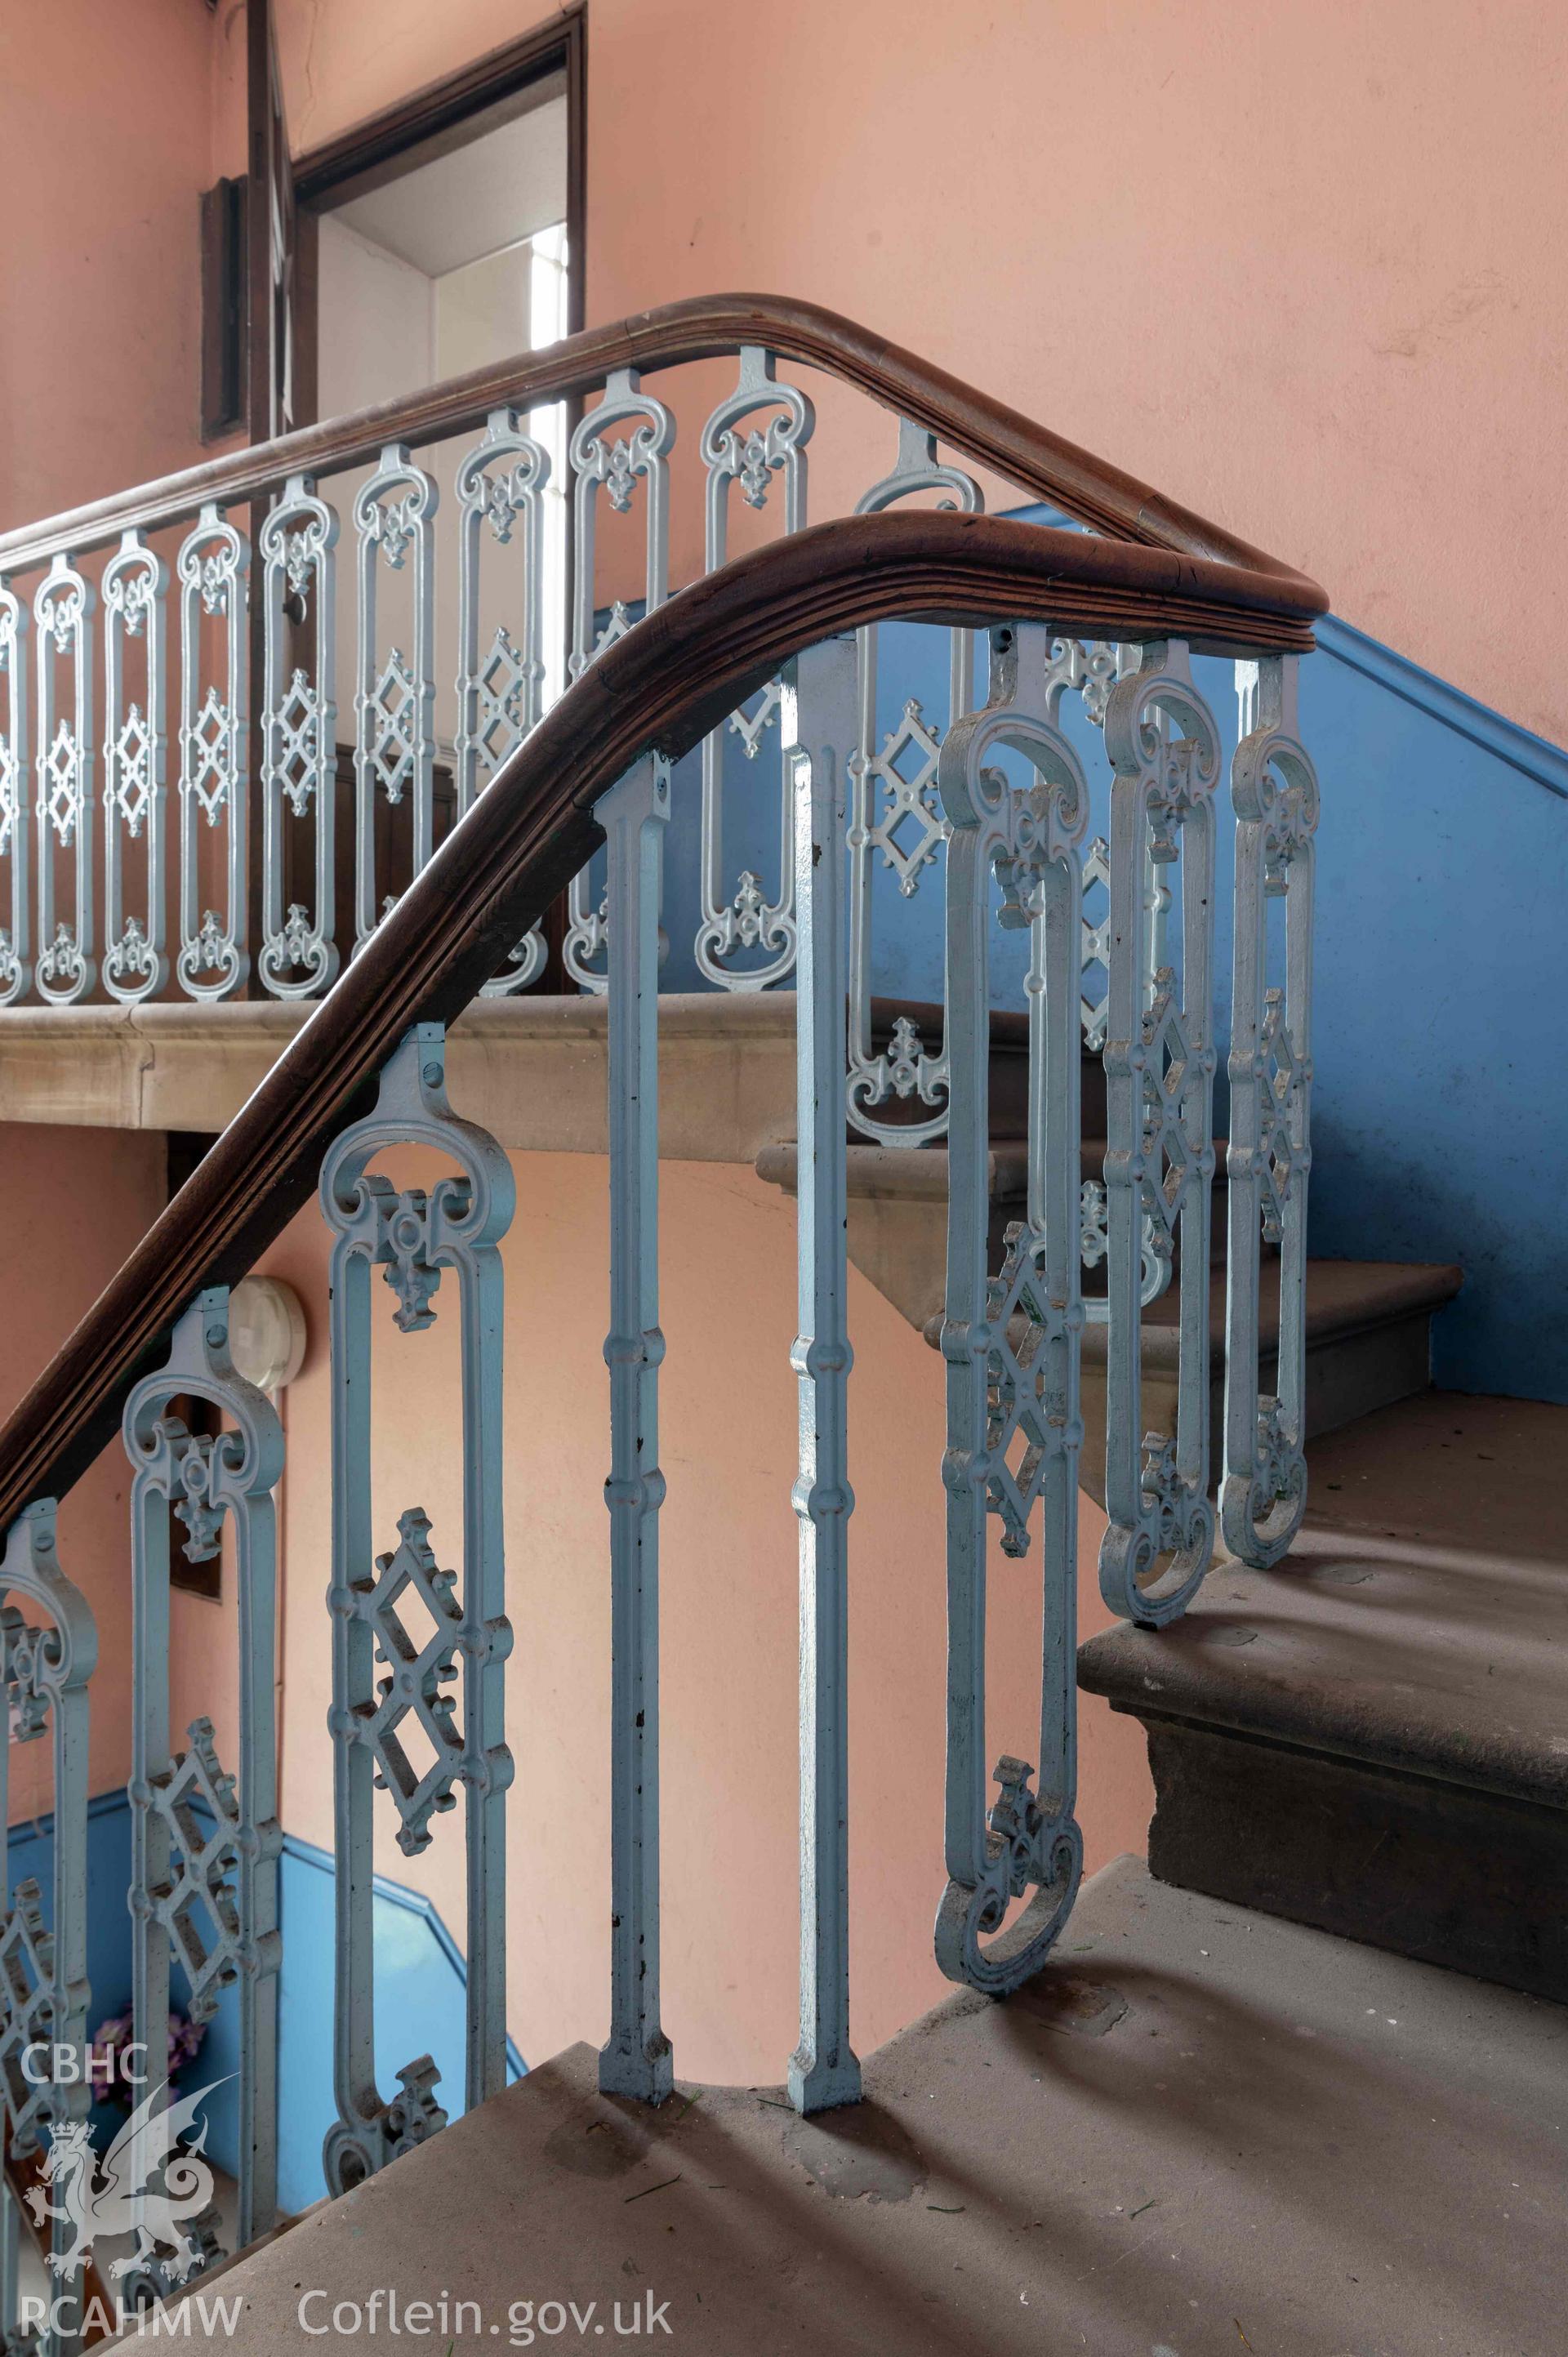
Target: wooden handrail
664, 685
986, 432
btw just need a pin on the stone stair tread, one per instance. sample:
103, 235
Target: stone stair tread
1343, 1297
1419, 1624
1197, 2119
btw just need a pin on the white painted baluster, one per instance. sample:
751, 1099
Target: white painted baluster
782, 420
636, 2060
214, 568
1159, 1065
135, 581
395, 701
818, 731
1012, 1342
500, 484
615, 463
415, 1236
16, 939
895, 817
63, 610
299, 741
1275, 791
227, 1876
45, 1667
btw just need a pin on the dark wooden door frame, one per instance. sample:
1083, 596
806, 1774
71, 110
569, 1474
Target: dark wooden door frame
432, 119
437, 116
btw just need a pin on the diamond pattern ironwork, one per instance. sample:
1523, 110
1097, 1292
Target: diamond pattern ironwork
391, 726
412, 1701
195, 1798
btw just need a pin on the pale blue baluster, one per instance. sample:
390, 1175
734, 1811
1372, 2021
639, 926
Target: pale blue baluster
414, 1236
214, 572
819, 732
135, 750
44, 1991
15, 935
1275, 791
757, 431
63, 609
299, 741
394, 699
1012, 1342
1159, 1069
636, 2060
208, 1479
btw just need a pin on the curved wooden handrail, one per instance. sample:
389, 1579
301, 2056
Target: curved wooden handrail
663, 685
986, 432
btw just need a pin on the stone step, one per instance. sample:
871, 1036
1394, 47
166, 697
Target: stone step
1372, 1738
1197, 2130
1368, 1323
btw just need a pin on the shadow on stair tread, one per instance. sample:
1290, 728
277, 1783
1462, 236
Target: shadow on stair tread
1365, 2112
1372, 1736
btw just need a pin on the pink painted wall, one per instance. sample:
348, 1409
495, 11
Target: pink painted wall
729, 1602
108, 143
1286, 263
94, 1192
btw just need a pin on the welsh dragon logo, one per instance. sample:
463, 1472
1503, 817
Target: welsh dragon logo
142, 2186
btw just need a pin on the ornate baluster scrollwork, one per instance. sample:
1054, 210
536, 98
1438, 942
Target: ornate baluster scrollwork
63, 613
16, 941
615, 464
1012, 1342
759, 430
45, 1665
382, 1724
299, 740
896, 819
1159, 1062
818, 722
206, 1842
134, 582
500, 686
395, 701
1274, 788
214, 568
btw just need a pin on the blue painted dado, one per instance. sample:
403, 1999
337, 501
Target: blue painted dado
420, 1993
1440, 1118
421, 1989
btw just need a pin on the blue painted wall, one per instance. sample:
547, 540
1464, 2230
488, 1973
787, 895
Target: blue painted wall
1441, 1114
421, 1990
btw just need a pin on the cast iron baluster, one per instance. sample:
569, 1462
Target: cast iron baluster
1159, 1067
135, 581
414, 1236
1012, 1342
299, 740
44, 1992
774, 444
395, 701
214, 566
636, 2060
501, 692
818, 730
14, 937
615, 464
896, 812
63, 611
206, 1842
1275, 788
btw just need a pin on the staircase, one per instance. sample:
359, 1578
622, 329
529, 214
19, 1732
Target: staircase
1367, 1323
1292, 2083
1201, 2129
1372, 1738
